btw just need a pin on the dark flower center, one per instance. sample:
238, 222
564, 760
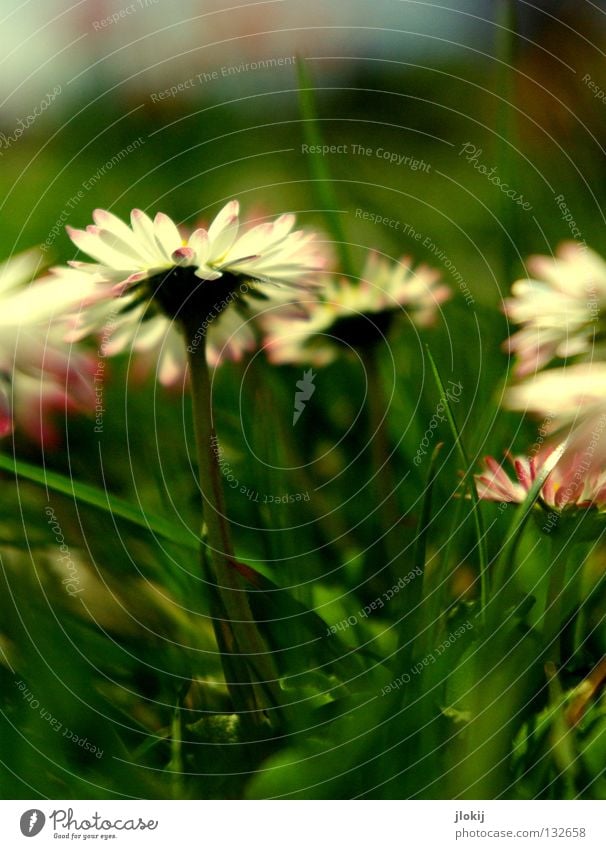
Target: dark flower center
183, 296
361, 331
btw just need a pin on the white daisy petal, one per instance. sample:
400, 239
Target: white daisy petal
199, 242
224, 220
167, 234
171, 365
252, 242
207, 273
108, 221
143, 230
131, 251
89, 242
150, 334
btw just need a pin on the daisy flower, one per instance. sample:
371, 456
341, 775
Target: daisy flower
559, 308
354, 313
571, 482
39, 374
155, 342
157, 283
208, 281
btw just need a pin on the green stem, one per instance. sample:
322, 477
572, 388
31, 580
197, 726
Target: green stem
388, 510
506, 48
175, 765
256, 685
553, 603
414, 601
322, 186
469, 481
442, 581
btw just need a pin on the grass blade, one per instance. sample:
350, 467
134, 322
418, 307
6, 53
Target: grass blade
323, 189
99, 499
514, 534
507, 146
479, 525
420, 549
413, 599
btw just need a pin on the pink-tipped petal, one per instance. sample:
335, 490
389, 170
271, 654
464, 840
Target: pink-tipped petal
6, 419
167, 234
183, 256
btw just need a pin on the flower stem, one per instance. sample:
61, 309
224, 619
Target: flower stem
249, 668
505, 51
553, 603
388, 510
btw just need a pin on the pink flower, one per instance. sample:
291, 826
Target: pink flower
570, 483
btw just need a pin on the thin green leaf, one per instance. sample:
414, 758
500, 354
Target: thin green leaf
414, 598
507, 143
420, 549
479, 525
99, 499
520, 517
323, 189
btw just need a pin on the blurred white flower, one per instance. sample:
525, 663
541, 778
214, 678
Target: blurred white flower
573, 398
564, 394
39, 373
559, 309
352, 313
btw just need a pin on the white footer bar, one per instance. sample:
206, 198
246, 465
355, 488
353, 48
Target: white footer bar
301, 825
